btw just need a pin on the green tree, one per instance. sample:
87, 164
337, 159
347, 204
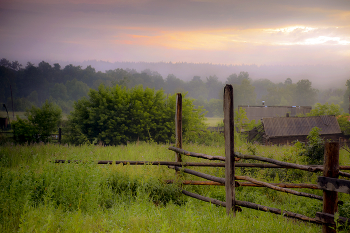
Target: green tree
59, 91
76, 89
346, 96
244, 94
325, 109
304, 94
313, 150
40, 124
118, 115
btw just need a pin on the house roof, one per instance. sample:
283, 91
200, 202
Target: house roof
297, 126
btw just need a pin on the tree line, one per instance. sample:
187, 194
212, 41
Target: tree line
34, 84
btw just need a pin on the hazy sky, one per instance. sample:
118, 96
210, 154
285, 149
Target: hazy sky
269, 32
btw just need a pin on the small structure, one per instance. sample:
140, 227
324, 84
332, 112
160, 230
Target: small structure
3, 123
258, 112
284, 130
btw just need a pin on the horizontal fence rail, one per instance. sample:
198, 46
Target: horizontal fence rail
184, 164
247, 184
333, 184
254, 206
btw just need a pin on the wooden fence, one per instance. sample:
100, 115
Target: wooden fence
329, 182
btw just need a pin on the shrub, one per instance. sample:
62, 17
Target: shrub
313, 150
40, 124
119, 115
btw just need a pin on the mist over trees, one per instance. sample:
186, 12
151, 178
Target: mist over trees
33, 84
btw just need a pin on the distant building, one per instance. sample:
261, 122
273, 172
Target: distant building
284, 130
3, 123
258, 112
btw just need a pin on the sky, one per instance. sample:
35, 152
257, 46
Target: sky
269, 32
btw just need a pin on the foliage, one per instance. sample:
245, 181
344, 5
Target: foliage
40, 124
344, 123
325, 109
304, 94
313, 150
241, 119
332, 109
119, 115
346, 95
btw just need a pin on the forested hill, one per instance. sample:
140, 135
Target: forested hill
321, 76
33, 84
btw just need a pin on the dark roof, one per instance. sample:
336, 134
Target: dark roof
290, 126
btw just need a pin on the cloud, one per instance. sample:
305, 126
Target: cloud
251, 32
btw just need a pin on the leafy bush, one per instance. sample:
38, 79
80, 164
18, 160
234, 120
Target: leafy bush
40, 124
118, 115
325, 109
313, 150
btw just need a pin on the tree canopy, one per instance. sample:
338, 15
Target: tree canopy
117, 115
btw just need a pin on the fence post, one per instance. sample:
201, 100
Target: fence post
59, 135
330, 169
178, 125
229, 150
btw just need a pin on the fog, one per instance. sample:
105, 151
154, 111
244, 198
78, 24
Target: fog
321, 76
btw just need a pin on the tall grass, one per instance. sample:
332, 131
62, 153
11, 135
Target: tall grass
38, 195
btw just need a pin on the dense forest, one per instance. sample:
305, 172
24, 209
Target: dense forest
33, 84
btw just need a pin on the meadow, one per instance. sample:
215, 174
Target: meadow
213, 121
41, 196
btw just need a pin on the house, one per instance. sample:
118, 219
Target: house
258, 112
284, 130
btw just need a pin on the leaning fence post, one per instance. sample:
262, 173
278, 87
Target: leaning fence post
178, 125
229, 150
330, 169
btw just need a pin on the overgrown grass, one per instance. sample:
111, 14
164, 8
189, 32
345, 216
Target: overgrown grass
38, 195
213, 121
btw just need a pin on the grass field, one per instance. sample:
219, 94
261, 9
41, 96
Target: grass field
40, 196
213, 121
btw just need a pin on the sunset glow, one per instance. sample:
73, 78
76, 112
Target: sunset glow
228, 32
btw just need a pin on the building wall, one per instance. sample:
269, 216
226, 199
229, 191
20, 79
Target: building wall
258, 112
291, 139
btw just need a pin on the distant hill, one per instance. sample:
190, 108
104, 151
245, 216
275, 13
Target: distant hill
321, 76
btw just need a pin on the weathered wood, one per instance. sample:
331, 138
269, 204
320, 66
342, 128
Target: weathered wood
344, 174
206, 199
333, 184
199, 182
166, 163
194, 164
243, 184
199, 174
197, 155
229, 130
286, 190
285, 164
331, 169
282, 185
275, 211
329, 218
178, 125
253, 206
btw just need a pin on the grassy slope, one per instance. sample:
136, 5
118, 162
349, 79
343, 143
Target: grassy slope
41, 196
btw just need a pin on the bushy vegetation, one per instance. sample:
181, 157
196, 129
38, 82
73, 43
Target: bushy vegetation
39, 195
119, 115
313, 149
39, 125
